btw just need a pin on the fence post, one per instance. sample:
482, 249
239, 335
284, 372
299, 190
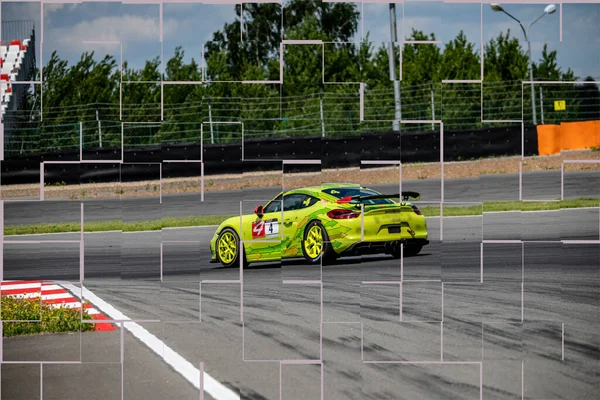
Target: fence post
432, 109
212, 137
542, 105
99, 128
350, 120
322, 120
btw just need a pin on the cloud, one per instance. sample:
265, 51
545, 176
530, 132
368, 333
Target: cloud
125, 28
50, 8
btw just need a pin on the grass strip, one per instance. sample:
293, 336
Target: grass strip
499, 206
429, 211
29, 316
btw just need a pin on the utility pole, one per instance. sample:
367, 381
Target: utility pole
533, 109
394, 37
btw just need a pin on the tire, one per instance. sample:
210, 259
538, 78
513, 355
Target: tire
410, 250
231, 242
315, 244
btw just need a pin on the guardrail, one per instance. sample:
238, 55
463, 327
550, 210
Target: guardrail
266, 154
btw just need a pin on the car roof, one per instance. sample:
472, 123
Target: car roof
317, 190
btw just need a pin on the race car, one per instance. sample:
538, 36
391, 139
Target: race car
321, 224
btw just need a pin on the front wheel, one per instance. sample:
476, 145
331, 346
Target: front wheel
316, 245
228, 248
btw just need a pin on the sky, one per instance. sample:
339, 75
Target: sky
132, 31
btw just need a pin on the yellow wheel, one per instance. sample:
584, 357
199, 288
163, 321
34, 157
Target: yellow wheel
315, 245
314, 242
227, 246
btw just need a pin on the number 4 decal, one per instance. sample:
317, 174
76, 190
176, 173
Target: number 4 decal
273, 228
269, 228
258, 229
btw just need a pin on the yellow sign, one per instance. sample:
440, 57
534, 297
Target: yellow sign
560, 105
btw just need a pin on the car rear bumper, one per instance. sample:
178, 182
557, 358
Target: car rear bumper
386, 247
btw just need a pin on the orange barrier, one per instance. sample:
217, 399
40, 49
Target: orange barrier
548, 139
552, 139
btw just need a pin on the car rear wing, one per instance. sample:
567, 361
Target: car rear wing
360, 199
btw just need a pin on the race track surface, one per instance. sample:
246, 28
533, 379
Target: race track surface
500, 306
535, 186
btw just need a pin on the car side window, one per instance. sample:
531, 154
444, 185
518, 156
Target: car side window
298, 202
274, 206
309, 201
293, 202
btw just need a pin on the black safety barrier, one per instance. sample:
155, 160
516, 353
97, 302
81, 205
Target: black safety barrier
266, 155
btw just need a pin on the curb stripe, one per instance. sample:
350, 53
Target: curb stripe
189, 371
20, 286
55, 296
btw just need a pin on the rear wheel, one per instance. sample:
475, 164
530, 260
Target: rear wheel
316, 245
228, 248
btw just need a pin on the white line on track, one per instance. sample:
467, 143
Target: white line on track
190, 372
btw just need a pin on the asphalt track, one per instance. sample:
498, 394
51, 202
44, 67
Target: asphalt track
512, 312
546, 283
535, 186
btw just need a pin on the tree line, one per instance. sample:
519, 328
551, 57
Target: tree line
91, 90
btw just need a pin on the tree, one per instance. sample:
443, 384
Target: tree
588, 97
505, 60
332, 22
72, 94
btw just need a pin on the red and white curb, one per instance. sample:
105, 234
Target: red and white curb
54, 295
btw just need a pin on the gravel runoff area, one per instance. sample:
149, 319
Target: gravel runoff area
372, 176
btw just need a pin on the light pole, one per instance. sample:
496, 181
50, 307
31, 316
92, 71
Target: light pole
394, 37
550, 9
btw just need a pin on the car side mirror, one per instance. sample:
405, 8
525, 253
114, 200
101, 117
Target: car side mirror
259, 211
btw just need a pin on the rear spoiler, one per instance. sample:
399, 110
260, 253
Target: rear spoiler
360, 199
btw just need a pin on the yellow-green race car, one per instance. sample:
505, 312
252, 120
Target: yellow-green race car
321, 224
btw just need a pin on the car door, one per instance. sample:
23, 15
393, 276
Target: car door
295, 210
263, 234
275, 233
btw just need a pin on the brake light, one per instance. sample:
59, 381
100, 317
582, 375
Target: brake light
343, 214
416, 210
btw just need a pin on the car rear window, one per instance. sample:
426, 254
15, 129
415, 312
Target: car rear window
344, 192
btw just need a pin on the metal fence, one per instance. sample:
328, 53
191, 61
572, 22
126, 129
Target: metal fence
225, 120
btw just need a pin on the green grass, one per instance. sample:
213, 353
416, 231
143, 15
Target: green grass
454, 211
30, 316
430, 211
113, 225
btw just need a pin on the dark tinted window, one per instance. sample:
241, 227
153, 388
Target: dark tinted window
274, 205
291, 202
298, 202
309, 201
